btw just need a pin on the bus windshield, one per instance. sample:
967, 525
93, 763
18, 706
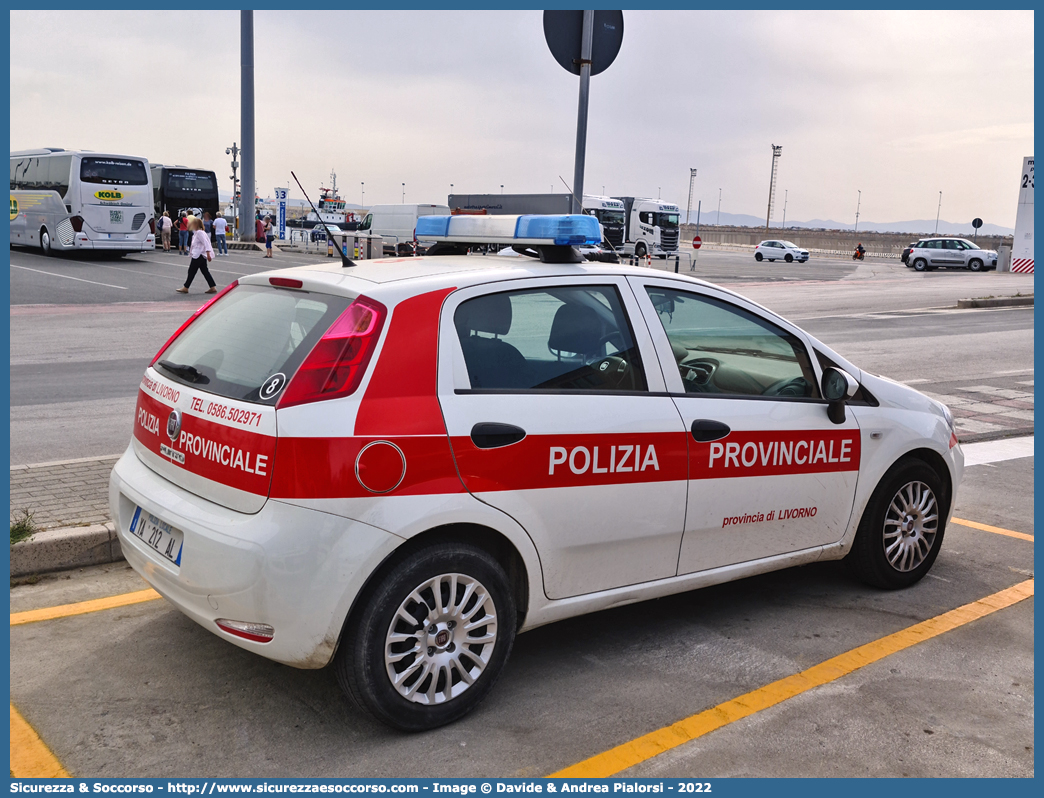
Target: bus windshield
190, 181
113, 172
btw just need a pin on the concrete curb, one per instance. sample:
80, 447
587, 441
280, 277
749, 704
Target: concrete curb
996, 302
61, 549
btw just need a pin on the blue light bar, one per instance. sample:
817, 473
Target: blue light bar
559, 230
571, 230
433, 226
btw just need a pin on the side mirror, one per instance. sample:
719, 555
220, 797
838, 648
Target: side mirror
838, 385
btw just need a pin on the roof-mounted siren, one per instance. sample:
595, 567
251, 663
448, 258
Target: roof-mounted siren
552, 239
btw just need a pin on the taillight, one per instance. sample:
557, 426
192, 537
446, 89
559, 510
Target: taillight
335, 367
285, 282
192, 318
77, 223
152, 226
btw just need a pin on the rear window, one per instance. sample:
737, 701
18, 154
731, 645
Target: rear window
114, 171
248, 338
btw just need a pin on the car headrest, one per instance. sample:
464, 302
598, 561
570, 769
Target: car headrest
577, 329
489, 314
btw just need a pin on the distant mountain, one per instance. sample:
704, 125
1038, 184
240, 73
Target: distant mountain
921, 227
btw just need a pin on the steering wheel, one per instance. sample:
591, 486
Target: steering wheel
792, 386
616, 373
696, 375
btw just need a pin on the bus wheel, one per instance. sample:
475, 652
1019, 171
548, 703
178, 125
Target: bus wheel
45, 242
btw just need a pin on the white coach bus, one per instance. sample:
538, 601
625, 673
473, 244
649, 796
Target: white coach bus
81, 200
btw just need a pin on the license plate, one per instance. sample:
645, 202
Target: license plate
115, 217
158, 535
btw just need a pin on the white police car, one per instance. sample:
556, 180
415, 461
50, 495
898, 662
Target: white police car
398, 465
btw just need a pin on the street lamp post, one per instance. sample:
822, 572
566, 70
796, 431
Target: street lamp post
785, 192
937, 212
403, 193
717, 219
859, 202
234, 151
501, 188
362, 197
688, 208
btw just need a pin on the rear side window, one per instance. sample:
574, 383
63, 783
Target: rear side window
113, 172
570, 338
249, 337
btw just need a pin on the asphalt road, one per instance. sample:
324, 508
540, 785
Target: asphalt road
144, 691
83, 331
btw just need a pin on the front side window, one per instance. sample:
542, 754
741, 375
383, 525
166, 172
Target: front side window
723, 349
114, 172
645, 217
573, 338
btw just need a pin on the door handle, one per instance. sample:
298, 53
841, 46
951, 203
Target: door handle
705, 430
492, 436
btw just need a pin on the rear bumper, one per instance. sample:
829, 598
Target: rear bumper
296, 569
116, 244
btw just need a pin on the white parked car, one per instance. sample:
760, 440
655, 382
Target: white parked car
929, 254
396, 466
777, 249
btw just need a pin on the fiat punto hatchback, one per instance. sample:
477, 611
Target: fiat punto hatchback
397, 466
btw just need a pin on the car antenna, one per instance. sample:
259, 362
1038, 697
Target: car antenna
345, 260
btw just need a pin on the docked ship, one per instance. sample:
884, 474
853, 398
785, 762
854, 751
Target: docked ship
330, 206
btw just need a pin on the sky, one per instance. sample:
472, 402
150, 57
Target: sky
896, 105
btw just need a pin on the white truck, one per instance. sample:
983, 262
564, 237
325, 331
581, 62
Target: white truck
651, 227
397, 224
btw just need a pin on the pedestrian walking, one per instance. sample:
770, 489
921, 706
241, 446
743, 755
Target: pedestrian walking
270, 234
165, 224
183, 234
201, 253
220, 226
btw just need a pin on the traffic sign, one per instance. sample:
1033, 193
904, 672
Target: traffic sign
697, 242
563, 32
976, 223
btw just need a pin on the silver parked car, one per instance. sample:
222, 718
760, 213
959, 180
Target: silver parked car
950, 253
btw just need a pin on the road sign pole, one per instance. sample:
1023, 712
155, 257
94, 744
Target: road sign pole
581, 117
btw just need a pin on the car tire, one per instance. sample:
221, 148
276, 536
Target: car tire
45, 242
902, 527
789, 258
920, 265
454, 675
758, 257
640, 250
975, 265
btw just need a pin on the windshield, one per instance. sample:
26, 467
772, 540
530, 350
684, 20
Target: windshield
113, 172
791, 245
665, 219
967, 244
250, 335
192, 182
610, 216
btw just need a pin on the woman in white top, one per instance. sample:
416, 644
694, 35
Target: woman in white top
201, 253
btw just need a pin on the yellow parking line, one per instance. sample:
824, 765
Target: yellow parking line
994, 529
30, 756
82, 607
657, 742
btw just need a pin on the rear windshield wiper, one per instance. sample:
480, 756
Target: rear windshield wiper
190, 373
